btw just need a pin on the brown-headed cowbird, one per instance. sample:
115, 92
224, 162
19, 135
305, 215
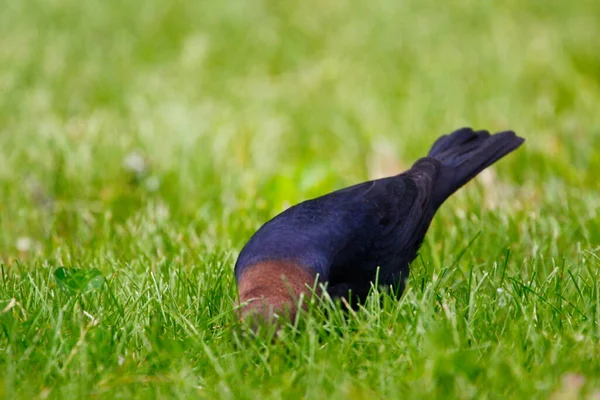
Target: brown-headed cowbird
352, 236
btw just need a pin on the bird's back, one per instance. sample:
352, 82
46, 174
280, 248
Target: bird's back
314, 232
345, 235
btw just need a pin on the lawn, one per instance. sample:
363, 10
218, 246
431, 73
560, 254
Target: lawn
147, 140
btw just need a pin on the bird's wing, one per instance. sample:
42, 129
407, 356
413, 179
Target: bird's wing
390, 241
311, 233
345, 235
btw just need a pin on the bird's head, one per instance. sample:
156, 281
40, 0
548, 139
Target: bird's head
270, 291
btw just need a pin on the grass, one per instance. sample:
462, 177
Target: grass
149, 139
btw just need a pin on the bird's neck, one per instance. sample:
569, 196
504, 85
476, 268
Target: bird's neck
273, 288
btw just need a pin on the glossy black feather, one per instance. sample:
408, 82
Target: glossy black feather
345, 235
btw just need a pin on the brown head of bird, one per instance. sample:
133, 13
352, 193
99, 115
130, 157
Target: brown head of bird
269, 291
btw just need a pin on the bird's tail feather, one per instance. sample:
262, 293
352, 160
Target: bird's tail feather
465, 153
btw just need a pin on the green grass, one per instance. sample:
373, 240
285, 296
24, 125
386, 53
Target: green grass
149, 139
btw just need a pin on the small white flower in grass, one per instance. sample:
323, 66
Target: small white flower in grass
24, 243
121, 360
487, 177
45, 393
162, 212
134, 162
152, 184
502, 300
573, 381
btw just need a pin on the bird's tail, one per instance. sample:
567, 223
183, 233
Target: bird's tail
465, 153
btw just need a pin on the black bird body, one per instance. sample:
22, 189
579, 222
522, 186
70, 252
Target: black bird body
343, 237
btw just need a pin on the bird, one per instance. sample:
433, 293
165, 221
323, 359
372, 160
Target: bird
346, 241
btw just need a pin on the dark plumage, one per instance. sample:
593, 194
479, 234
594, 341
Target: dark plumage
346, 235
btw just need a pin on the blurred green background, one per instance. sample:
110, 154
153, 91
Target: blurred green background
134, 133
241, 103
